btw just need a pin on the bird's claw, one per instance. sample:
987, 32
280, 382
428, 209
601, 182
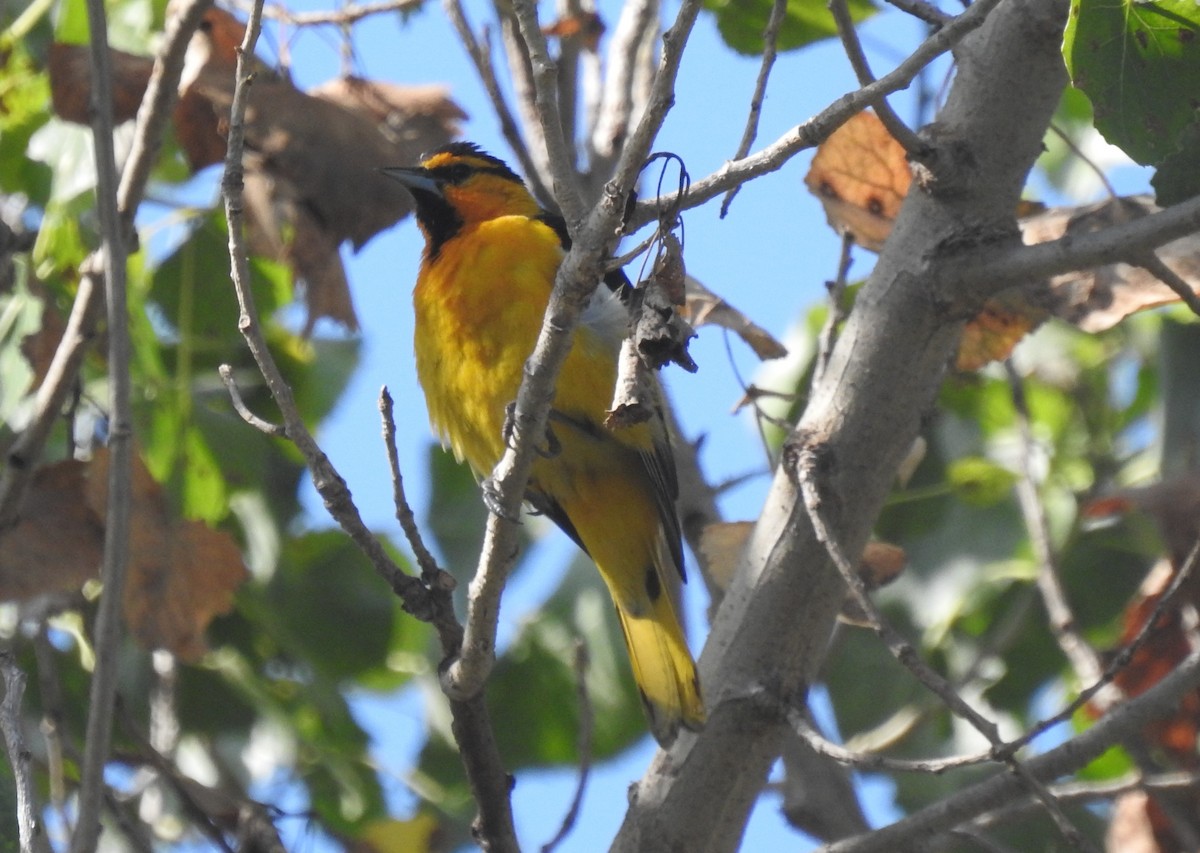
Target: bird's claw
492, 500
552, 449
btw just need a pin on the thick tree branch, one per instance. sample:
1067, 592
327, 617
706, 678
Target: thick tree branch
773, 627
992, 269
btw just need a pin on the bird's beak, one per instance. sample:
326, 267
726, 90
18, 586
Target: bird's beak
415, 179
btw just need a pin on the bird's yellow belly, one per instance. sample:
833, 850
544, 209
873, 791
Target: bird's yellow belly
479, 308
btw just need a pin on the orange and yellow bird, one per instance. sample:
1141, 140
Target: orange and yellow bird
491, 254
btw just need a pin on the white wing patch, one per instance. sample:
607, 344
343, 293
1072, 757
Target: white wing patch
607, 316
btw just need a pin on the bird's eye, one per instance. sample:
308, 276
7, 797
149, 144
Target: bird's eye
456, 173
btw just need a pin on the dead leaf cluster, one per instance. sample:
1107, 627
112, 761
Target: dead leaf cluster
312, 158
861, 175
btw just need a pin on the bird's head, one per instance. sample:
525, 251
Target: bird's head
459, 184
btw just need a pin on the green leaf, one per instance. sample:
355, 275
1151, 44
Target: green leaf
1178, 176
456, 515
330, 609
741, 22
534, 686
1139, 63
193, 290
24, 94
980, 481
130, 23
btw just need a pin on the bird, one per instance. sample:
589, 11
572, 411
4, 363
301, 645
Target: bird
490, 258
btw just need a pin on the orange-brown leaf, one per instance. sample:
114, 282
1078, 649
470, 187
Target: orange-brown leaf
585, 26
861, 175
993, 333
312, 159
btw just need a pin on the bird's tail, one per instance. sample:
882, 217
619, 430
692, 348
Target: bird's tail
662, 666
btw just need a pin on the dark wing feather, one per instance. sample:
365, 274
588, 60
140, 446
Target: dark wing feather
659, 462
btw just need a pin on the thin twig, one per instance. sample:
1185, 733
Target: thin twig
1066, 140
806, 469
120, 443
913, 145
577, 277
431, 572
1084, 659
586, 720
545, 85
480, 55
29, 826
350, 13
328, 482
818, 128
875, 761
239, 405
836, 311
1083, 792
155, 109
1153, 264
1002, 788
470, 722
923, 11
770, 39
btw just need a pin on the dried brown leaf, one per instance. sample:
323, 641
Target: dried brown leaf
702, 307
58, 543
70, 71
181, 573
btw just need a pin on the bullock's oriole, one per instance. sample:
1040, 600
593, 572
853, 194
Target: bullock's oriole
490, 258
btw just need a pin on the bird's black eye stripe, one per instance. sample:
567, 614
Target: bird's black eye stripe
458, 173
453, 173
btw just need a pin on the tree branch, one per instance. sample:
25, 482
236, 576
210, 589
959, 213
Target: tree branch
120, 443
545, 89
481, 57
916, 148
817, 129
577, 277
1084, 659
30, 830
1125, 720
470, 721
770, 38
